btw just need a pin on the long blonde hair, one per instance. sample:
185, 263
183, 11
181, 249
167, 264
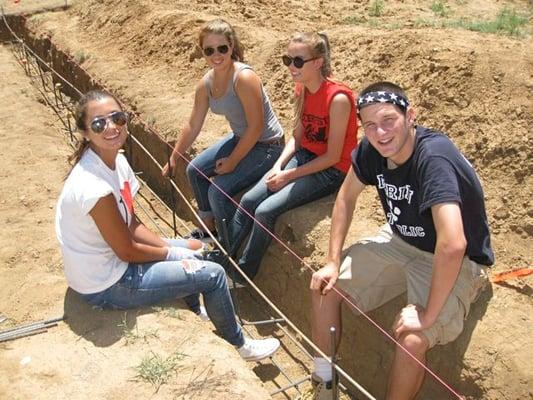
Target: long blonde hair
318, 45
221, 27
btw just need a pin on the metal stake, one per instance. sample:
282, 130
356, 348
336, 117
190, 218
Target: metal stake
334, 390
25, 60
172, 200
41, 75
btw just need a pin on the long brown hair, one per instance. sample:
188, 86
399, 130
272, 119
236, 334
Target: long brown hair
80, 116
318, 45
221, 27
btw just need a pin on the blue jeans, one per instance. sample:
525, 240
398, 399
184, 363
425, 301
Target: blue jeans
151, 283
266, 206
211, 201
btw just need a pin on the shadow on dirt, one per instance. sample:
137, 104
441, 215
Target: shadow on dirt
105, 327
448, 361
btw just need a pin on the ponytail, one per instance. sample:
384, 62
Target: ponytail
326, 65
318, 44
299, 101
75, 157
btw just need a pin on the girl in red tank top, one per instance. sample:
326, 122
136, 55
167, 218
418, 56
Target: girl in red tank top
317, 156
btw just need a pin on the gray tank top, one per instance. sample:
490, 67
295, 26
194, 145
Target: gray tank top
230, 107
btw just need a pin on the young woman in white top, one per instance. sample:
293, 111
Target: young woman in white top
109, 256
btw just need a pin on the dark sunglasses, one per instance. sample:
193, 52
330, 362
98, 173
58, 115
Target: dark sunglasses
209, 51
297, 61
99, 124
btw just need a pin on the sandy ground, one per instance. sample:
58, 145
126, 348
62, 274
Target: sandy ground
476, 87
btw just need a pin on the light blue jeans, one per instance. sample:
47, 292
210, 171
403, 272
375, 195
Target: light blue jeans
266, 206
211, 201
151, 283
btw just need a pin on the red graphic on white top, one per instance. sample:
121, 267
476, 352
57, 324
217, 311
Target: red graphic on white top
127, 197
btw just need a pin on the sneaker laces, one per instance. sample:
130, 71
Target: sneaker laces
255, 350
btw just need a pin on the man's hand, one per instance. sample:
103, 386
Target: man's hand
410, 319
325, 278
224, 166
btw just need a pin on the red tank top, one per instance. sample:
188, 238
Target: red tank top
315, 121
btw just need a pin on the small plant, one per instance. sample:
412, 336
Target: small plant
374, 23
168, 311
376, 8
156, 370
507, 22
36, 17
440, 8
132, 335
151, 121
425, 23
353, 20
81, 56
394, 26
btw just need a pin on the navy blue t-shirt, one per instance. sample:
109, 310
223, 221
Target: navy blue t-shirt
435, 173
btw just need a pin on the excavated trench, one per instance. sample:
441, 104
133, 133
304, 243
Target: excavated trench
65, 65
364, 352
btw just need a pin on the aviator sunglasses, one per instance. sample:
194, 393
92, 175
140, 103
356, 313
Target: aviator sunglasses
297, 61
99, 124
209, 51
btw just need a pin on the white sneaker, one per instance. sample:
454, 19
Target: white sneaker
203, 314
255, 350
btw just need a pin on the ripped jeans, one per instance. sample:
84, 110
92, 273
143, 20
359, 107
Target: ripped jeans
150, 283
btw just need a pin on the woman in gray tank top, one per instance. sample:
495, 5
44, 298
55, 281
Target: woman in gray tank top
230, 88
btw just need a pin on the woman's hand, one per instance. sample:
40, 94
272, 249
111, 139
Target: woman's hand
276, 169
169, 167
277, 180
181, 253
224, 166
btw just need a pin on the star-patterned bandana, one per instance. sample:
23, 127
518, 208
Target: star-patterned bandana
382, 97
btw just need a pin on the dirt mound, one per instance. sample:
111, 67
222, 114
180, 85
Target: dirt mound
475, 87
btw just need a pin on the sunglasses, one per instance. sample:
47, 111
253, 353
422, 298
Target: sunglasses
297, 61
99, 124
209, 51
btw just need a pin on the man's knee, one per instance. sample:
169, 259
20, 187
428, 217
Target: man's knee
331, 301
416, 343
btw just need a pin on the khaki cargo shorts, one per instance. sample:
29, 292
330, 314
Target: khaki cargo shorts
378, 269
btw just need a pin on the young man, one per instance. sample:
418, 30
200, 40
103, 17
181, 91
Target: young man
435, 244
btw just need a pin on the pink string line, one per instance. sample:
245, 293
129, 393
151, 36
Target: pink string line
345, 298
